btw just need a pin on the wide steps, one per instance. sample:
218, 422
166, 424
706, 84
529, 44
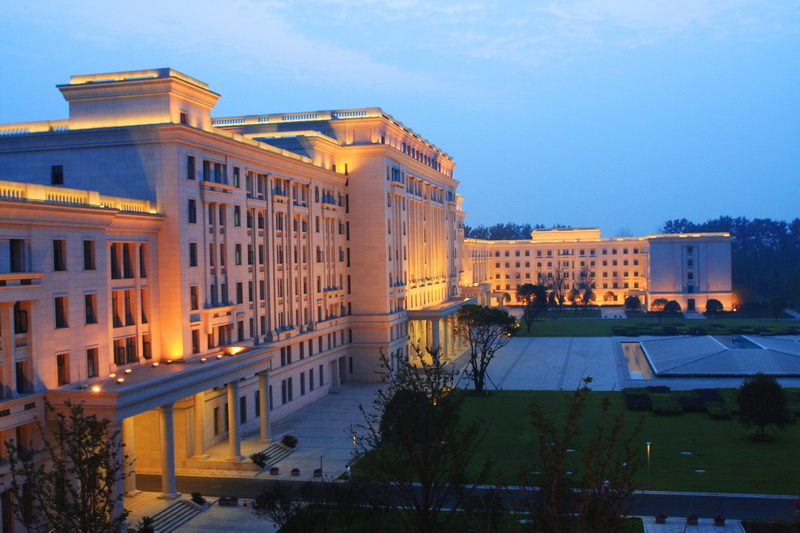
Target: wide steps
277, 454
174, 516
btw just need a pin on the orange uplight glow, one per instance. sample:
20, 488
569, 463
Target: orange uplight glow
155, 363
112, 375
128, 370
120, 380
96, 388
235, 349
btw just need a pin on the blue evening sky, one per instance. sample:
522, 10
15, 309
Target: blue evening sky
620, 114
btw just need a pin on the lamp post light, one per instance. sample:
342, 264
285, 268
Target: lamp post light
648, 465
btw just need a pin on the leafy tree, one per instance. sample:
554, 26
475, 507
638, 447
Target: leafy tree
763, 402
713, 306
672, 307
558, 283
486, 330
585, 284
574, 297
569, 496
534, 298
71, 483
633, 303
658, 304
419, 450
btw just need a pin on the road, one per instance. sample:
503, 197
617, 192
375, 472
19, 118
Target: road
671, 504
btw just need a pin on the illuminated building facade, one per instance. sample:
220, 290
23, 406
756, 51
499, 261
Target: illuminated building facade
688, 268
194, 280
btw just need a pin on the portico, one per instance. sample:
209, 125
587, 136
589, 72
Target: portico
433, 327
168, 427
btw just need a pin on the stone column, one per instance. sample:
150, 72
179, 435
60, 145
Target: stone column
234, 444
435, 334
200, 426
169, 489
130, 451
9, 345
114, 433
263, 401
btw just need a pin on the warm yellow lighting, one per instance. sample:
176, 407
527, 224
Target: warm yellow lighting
120, 380
96, 388
112, 375
155, 363
236, 349
128, 371
169, 361
202, 359
219, 356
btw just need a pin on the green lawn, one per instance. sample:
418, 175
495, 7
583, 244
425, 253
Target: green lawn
732, 462
608, 327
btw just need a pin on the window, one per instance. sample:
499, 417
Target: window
236, 178
90, 303
184, 118
194, 298
239, 292
62, 369
237, 215
59, 255
192, 211
195, 341
61, 312
91, 363
192, 254
57, 175
190, 168
88, 255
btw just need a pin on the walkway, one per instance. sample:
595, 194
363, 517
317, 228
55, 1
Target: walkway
677, 524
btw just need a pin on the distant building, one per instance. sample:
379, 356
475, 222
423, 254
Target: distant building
687, 268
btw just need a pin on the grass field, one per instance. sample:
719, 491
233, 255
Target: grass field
608, 327
731, 460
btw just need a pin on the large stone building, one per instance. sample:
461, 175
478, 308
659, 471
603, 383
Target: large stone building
194, 279
688, 268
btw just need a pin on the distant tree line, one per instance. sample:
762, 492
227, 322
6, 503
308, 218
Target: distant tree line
504, 232
765, 255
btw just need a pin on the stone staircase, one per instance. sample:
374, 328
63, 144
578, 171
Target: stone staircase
174, 516
277, 453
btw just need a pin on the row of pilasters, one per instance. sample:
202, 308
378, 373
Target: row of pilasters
166, 422
437, 334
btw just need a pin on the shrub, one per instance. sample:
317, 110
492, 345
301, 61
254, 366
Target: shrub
718, 410
259, 459
713, 306
289, 441
665, 404
198, 498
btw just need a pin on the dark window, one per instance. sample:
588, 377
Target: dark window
193, 297
184, 118
195, 341
192, 254
91, 362
191, 173
57, 175
90, 302
237, 215
61, 312
59, 255
62, 365
192, 211
88, 255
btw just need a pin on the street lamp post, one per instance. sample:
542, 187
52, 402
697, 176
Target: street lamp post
648, 465
320, 467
